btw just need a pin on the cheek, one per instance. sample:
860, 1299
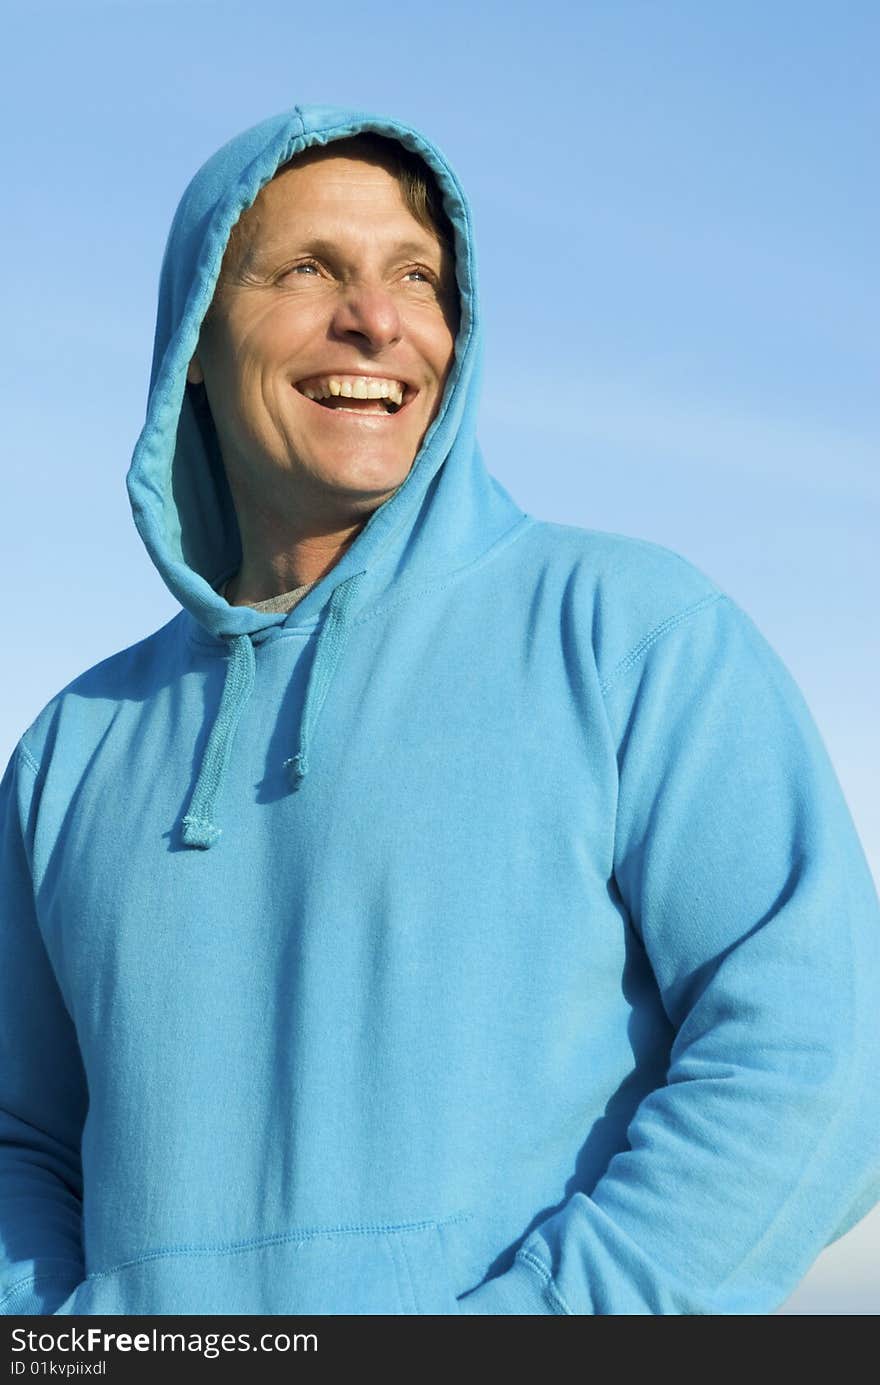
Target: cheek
435, 343
263, 343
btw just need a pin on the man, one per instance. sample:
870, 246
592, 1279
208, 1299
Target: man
447, 911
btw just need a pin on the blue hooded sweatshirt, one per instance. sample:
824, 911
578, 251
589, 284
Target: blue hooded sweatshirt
489, 934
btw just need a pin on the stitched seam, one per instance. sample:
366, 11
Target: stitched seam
209, 645
28, 758
655, 634
32, 1280
550, 1288
280, 1238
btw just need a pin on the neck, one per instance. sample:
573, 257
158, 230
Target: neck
270, 570
292, 533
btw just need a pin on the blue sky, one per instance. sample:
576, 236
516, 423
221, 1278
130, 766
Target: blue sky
676, 209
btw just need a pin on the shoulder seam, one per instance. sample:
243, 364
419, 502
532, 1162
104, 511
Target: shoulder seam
659, 630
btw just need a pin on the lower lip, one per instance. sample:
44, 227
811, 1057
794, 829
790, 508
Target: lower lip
375, 418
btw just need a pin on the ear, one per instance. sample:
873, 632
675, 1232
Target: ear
194, 372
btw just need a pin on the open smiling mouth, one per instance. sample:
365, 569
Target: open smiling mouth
370, 396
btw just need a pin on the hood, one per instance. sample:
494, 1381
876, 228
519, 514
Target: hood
447, 512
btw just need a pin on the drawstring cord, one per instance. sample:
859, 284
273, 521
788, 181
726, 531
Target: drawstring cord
331, 643
198, 825
199, 828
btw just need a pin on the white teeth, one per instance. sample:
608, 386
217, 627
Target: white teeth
354, 387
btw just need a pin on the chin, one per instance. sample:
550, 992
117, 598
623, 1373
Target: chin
370, 477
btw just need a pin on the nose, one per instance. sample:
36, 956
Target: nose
367, 315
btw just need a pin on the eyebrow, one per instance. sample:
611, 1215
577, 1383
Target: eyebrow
316, 245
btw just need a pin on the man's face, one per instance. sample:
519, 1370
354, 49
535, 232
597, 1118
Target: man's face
334, 291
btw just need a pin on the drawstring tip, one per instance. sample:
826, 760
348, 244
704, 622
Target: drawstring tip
297, 768
199, 832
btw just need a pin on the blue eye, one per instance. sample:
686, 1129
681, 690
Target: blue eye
296, 268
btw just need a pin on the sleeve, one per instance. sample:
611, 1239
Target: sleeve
740, 869
43, 1096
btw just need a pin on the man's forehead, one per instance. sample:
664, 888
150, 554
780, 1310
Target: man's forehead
319, 176
311, 234
274, 223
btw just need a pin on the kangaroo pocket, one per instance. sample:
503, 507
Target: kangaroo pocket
353, 1270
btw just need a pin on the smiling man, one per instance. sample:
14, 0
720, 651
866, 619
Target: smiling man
324, 353
447, 911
